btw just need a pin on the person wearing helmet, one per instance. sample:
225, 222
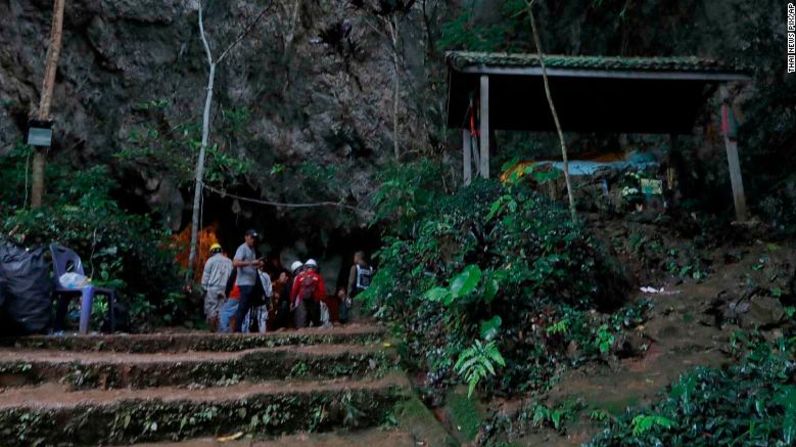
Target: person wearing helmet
306, 295
214, 282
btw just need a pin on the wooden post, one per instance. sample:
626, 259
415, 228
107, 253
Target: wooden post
483, 168
671, 171
731, 145
48, 86
467, 156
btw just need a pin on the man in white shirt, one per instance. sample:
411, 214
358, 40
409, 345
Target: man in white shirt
214, 282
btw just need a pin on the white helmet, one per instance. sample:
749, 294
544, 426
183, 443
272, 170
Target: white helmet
311, 263
295, 266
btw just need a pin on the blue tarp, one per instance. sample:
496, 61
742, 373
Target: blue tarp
635, 160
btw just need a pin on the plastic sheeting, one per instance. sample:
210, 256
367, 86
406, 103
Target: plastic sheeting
634, 160
25, 290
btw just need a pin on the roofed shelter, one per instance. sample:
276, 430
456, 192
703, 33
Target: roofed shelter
658, 95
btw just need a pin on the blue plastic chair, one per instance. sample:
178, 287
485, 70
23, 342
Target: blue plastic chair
65, 261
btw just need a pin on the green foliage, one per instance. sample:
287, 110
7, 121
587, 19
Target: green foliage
478, 362
118, 250
463, 32
489, 265
555, 416
752, 402
156, 145
605, 339
599, 415
659, 255
466, 414
406, 193
643, 423
491, 327
461, 286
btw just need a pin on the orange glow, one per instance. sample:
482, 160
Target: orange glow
207, 237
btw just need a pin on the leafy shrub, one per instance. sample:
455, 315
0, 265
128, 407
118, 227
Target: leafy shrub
463, 31
478, 362
494, 263
749, 403
119, 250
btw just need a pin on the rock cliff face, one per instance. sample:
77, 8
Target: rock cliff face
305, 99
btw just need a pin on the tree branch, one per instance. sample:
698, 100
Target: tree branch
538, 43
204, 38
243, 33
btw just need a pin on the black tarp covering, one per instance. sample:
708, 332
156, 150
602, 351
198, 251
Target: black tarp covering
25, 290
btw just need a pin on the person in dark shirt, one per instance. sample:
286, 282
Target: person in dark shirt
358, 281
284, 286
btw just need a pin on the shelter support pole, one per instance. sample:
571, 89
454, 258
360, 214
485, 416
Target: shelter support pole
467, 156
672, 181
483, 168
731, 145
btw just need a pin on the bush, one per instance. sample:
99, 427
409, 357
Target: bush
749, 403
495, 265
120, 250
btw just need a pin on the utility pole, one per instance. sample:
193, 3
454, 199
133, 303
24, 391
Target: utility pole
48, 85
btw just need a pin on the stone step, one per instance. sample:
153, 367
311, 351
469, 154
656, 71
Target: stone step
374, 437
84, 370
198, 341
51, 415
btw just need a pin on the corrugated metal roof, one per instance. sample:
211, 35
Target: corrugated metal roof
461, 60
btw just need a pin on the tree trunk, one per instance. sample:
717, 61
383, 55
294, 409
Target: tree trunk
200, 170
293, 22
48, 85
397, 85
200, 160
538, 43
290, 33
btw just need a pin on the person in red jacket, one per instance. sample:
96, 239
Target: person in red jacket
306, 295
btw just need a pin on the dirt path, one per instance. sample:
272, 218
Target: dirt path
681, 334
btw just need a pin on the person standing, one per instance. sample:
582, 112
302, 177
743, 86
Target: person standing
214, 282
359, 279
306, 295
284, 287
258, 315
247, 264
227, 316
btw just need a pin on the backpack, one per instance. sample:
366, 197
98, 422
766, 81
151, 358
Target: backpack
364, 276
307, 287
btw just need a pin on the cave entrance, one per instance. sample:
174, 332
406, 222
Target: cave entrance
329, 235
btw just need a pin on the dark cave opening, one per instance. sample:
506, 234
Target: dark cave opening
292, 234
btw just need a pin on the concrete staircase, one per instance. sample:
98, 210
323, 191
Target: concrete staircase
192, 388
